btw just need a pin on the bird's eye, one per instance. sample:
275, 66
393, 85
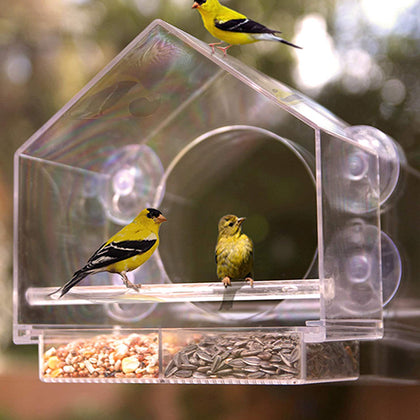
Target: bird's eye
231, 224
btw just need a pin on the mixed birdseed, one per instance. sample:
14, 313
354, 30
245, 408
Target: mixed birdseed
240, 356
104, 356
332, 360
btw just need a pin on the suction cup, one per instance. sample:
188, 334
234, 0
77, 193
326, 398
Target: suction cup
134, 174
360, 279
390, 156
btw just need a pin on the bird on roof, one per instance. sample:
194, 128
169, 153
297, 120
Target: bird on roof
233, 27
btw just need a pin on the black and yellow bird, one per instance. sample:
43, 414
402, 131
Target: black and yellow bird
234, 251
233, 27
128, 249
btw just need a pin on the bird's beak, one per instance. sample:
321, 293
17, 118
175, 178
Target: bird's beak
195, 5
241, 220
160, 219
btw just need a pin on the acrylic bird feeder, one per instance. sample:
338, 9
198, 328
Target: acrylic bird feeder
168, 124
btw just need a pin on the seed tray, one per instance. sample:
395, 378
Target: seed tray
241, 356
249, 356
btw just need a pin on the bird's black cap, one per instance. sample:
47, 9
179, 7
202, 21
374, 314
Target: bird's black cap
153, 213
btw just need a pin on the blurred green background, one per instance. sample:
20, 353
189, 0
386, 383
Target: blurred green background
360, 60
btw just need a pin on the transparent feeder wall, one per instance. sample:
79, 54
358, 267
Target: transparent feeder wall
197, 135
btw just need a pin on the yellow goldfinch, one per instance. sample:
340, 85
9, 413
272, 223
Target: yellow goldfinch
125, 251
234, 251
233, 27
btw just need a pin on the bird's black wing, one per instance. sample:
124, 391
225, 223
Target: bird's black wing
107, 255
244, 25
117, 251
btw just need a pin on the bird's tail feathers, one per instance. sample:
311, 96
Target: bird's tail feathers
288, 43
78, 276
273, 37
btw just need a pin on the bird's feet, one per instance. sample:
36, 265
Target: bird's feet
224, 49
213, 44
226, 281
128, 284
250, 281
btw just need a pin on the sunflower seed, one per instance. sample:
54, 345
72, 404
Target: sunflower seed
285, 360
242, 343
250, 369
252, 360
184, 373
194, 360
265, 355
267, 365
287, 369
259, 341
256, 347
189, 349
225, 355
170, 371
216, 363
237, 352
294, 355
268, 371
187, 366
224, 372
237, 363
177, 359
245, 353
171, 368
199, 375
203, 355
256, 375
278, 343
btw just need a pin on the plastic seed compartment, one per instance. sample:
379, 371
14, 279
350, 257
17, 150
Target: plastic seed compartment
98, 356
243, 356
255, 356
260, 356
168, 124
